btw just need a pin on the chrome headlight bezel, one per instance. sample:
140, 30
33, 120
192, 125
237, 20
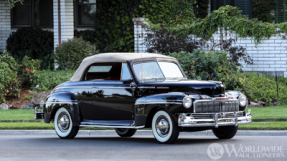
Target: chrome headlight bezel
187, 102
242, 100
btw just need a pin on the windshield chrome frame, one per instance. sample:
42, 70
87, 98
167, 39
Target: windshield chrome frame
155, 60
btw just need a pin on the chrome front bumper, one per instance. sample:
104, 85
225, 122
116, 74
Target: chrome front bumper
214, 119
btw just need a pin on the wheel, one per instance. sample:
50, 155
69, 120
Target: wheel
164, 128
225, 132
64, 124
126, 132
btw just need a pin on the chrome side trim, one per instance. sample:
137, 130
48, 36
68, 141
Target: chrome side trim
124, 127
90, 87
157, 102
63, 101
113, 87
219, 119
128, 124
146, 87
72, 87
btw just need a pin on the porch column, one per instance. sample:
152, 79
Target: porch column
140, 32
67, 20
5, 24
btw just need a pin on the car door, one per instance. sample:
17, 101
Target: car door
83, 90
112, 96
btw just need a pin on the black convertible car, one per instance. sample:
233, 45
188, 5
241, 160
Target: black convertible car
129, 91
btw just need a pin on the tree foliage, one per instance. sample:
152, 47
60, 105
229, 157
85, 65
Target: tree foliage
261, 9
12, 2
228, 18
114, 29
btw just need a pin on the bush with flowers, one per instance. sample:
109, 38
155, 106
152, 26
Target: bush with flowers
28, 72
13, 77
9, 80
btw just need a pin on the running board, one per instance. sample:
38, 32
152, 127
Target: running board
127, 124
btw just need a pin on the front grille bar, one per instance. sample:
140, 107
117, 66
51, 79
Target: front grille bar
204, 106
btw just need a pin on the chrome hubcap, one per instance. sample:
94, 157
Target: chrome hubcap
63, 122
162, 126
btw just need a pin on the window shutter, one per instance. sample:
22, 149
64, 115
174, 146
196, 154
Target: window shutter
281, 11
245, 6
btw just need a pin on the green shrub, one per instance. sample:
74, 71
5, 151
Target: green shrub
48, 80
260, 87
238, 82
71, 53
35, 43
28, 72
205, 65
9, 81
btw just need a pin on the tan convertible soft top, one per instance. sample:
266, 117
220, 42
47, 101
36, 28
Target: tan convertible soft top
112, 57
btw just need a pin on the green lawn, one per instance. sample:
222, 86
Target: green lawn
278, 113
25, 126
44, 126
264, 118
35, 126
17, 115
264, 126
272, 113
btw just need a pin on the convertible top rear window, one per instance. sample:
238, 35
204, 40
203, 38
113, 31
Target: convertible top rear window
100, 68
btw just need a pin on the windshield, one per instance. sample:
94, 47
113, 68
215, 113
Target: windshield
157, 71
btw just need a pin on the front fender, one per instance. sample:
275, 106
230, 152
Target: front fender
235, 95
58, 100
146, 107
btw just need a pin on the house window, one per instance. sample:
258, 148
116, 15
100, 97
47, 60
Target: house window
216, 4
281, 11
244, 5
85, 12
33, 13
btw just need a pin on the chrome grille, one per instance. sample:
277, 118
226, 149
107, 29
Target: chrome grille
203, 116
216, 106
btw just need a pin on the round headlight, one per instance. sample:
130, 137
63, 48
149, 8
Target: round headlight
187, 102
242, 100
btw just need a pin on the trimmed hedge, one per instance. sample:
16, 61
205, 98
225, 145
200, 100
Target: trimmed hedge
33, 42
71, 53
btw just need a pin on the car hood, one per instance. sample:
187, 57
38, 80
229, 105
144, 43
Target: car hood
210, 88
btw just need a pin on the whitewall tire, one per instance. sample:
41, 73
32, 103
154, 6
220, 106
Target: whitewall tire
64, 124
164, 128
